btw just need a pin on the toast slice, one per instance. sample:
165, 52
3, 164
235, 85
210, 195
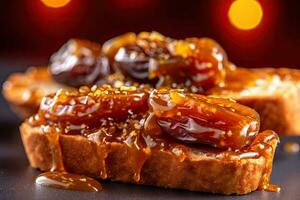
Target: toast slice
63, 136
273, 93
24, 91
200, 171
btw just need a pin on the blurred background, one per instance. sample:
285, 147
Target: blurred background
254, 33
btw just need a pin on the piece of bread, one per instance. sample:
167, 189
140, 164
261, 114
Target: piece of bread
273, 93
201, 170
24, 91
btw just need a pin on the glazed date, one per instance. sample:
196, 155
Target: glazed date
191, 62
199, 119
194, 64
173, 66
133, 59
206, 61
89, 106
111, 47
79, 62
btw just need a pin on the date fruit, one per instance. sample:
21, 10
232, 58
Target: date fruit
78, 63
206, 61
133, 59
87, 106
199, 119
111, 47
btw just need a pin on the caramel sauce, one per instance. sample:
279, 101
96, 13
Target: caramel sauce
63, 180
272, 188
195, 118
139, 130
263, 145
57, 159
102, 152
58, 177
138, 160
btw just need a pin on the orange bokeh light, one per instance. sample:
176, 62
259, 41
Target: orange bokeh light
245, 14
55, 3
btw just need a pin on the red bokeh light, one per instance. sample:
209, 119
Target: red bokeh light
255, 40
55, 3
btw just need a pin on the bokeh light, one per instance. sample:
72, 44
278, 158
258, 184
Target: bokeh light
55, 3
245, 14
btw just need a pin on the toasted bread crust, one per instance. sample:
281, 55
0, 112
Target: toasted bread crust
198, 172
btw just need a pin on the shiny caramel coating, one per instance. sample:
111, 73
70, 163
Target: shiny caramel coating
195, 118
206, 60
89, 105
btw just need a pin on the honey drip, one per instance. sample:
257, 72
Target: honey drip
63, 180
263, 145
103, 152
140, 159
58, 177
138, 154
57, 158
272, 188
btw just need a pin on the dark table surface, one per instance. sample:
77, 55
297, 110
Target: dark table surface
17, 178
